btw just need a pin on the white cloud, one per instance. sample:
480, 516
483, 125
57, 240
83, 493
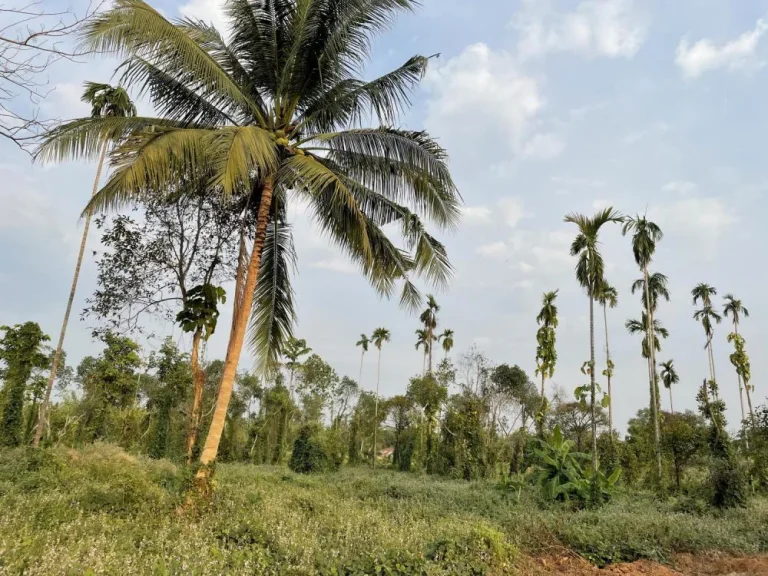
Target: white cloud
512, 210
609, 28
476, 215
704, 55
679, 187
502, 100
493, 250
544, 147
700, 218
209, 11
335, 265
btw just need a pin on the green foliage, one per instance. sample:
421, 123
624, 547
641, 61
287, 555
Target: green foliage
728, 482
560, 474
308, 454
21, 352
201, 309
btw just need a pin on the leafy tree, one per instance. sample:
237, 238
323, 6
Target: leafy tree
669, 377
429, 319
740, 361
21, 350
317, 380
308, 454
447, 339
735, 309
512, 386
684, 439
590, 275
608, 296
645, 235
400, 412
363, 343
427, 393
106, 102
464, 443
340, 396
546, 353
380, 335
575, 421
262, 114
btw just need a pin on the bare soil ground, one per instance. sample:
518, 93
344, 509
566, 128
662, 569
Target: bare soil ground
682, 564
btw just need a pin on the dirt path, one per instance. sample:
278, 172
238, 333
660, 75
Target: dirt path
682, 564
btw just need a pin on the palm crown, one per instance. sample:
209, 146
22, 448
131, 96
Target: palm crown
106, 100
657, 287
590, 266
734, 308
429, 315
703, 292
447, 339
669, 374
634, 326
645, 235
422, 339
379, 336
608, 295
548, 314
363, 342
706, 315
267, 112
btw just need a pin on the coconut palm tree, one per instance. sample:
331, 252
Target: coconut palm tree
447, 339
275, 109
608, 296
734, 309
379, 336
429, 319
363, 343
106, 102
422, 341
590, 275
645, 235
546, 354
669, 377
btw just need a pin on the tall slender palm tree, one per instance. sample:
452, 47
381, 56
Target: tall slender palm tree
363, 343
669, 377
546, 354
447, 340
276, 108
429, 319
706, 315
608, 296
422, 341
645, 235
106, 102
640, 327
735, 309
657, 289
379, 336
293, 350
590, 270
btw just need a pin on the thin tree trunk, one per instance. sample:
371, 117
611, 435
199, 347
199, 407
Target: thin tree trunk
592, 383
376, 411
429, 350
741, 390
242, 307
671, 406
652, 377
360, 377
43, 413
609, 370
197, 395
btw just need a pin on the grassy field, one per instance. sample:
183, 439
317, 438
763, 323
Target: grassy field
101, 511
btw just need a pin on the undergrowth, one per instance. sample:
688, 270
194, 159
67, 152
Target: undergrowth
102, 511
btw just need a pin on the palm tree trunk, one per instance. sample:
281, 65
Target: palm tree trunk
671, 406
242, 306
360, 378
429, 350
592, 383
197, 396
43, 414
741, 388
609, 370
376, 411
652, 377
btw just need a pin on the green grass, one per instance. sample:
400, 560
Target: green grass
104, 512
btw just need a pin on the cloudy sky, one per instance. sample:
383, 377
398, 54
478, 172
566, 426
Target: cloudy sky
545, 107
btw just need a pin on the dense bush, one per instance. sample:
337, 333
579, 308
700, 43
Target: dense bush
308, 454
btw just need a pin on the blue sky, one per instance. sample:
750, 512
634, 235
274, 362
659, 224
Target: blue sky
545, 108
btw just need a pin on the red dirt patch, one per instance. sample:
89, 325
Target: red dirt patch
683, 564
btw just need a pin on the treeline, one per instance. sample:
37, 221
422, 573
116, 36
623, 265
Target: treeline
470, 420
